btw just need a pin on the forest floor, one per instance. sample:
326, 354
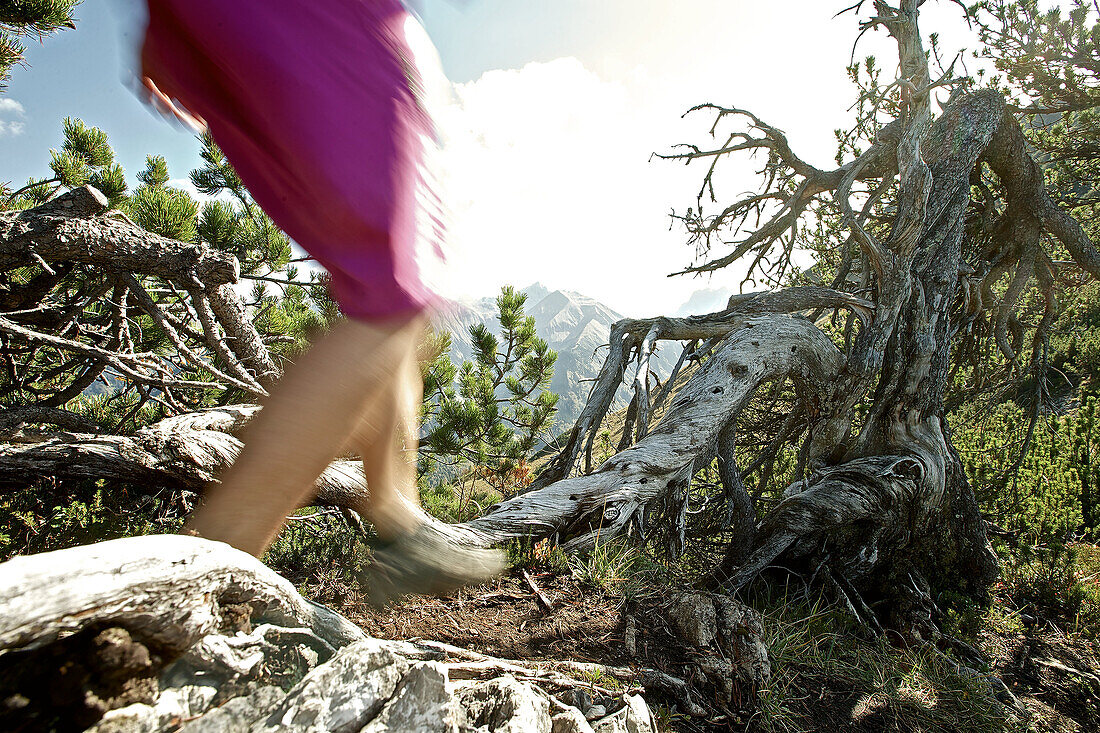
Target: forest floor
827, 675
1053, 674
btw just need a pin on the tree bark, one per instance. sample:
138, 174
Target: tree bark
72, 228
167, 590
607, 501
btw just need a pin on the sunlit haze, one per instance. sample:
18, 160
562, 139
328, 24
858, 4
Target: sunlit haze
552, 113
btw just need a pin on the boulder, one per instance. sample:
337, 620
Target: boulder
238, 714
341, 695
504, 705
422, 703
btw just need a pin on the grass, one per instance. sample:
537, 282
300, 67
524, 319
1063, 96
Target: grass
613, 567
821, 668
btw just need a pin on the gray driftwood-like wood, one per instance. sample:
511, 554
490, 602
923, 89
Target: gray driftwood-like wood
181, 453
167, 589
608, 500
628, 335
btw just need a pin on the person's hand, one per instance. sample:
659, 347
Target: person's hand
163, 104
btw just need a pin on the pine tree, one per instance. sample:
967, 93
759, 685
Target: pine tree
33, 19
490, 412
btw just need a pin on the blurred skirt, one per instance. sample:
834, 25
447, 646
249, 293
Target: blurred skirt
319, 106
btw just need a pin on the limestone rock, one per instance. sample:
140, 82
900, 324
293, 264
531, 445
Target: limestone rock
706, 621
421, 703
744, 630
237, 714
570, 720
504, 705
343, 694
172, 706
634, 717
136, 718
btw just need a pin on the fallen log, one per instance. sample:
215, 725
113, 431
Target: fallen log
168, 590
73, 228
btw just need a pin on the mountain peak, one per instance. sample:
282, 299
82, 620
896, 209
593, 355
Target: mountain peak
705, 300
535, 292
574, 325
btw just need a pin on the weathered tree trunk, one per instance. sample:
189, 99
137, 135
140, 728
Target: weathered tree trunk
73, 228
167, 590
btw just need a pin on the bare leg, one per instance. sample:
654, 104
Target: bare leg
387, 440
313, 410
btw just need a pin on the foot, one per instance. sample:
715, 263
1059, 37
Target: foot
425, 561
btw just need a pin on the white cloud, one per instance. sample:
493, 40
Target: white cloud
548, 178
10, 108
547, 165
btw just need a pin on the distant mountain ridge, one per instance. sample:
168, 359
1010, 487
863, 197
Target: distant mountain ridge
707, 300
572, 324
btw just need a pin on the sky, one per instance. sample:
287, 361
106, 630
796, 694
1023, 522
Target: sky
550, 112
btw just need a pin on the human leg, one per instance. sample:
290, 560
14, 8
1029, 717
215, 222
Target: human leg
312, 411
416, 556
387, 440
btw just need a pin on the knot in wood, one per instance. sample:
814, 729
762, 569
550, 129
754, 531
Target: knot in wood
908, 468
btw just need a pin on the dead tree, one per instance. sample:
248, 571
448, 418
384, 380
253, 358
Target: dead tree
78, 284
880, 504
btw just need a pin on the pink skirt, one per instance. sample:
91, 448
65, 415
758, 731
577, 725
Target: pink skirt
317, 104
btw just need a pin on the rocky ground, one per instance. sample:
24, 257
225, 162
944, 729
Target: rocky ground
91, 640
176, 633
1055, 676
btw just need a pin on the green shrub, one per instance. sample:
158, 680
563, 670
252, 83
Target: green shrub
49, 515
1054, 584
536, 555
456, 503
318, 546
1051, 496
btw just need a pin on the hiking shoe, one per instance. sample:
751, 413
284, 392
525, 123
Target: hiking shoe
425, 561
